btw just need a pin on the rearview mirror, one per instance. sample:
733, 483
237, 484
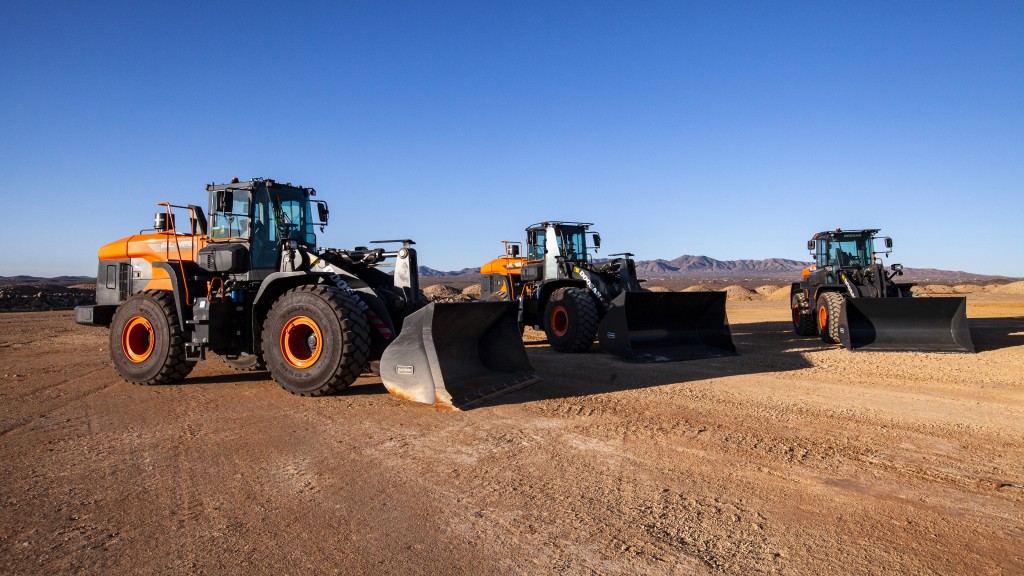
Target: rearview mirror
810, 245
322, 211
888, 242
515, 250
597, 240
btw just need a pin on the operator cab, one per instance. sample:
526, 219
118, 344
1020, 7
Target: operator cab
553, 243
263, 216
840, 249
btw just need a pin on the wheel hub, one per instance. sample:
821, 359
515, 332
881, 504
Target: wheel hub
137, 339
560, 321
300, 342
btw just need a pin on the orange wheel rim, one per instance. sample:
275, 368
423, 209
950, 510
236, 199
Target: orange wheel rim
137, 339
301, 342
559, 321
822, 317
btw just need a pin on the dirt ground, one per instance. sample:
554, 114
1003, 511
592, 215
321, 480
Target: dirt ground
791, 458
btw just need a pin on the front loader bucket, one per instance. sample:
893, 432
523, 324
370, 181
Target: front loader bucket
456, 355
666, 326
914, 324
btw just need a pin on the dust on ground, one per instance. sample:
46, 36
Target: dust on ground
793, 457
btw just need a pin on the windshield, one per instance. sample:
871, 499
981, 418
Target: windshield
846, 251
231, 220
288, 217
572, 243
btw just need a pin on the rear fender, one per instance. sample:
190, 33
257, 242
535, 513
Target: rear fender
177, 286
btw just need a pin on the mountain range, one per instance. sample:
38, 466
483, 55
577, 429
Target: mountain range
707, 268
699, 268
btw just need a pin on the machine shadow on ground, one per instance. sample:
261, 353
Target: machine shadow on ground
996, 333
764, 347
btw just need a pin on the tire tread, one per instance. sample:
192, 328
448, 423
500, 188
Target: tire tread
803, 321
586, 321
354, 326
833, 302
176, 366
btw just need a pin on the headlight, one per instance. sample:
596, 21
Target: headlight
897, 267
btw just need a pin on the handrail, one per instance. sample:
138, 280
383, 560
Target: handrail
173, 231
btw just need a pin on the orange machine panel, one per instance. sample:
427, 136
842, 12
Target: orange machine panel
154, 247
504, 265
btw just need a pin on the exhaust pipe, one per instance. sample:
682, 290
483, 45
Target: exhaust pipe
905, 324
457, 355
666, 326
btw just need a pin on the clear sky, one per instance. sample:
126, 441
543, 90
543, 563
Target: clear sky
726, 129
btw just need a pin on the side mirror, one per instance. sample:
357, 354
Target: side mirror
888, 242
322, 211
597, 240
810, 245
515, 250
225, 201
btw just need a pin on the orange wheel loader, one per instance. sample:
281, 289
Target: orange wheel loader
250, 284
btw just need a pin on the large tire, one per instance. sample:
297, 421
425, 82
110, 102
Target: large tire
247, 362
570, 320
803, 316
315, 340
147, 344
829, 305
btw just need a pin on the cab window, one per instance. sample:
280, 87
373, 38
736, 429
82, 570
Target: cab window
535, 247
231, 220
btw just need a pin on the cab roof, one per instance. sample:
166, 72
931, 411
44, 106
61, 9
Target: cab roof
547, 223
257, 182
841, 232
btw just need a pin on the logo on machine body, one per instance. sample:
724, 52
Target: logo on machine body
590, 285
399, 369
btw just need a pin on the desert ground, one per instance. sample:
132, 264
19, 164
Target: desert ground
792, 458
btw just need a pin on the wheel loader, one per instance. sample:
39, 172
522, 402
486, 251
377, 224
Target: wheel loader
848, 297
251, 285
562, 290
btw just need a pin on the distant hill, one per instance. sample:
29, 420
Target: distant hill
697, 268
700, 266
432, 273
61, 280
705, 268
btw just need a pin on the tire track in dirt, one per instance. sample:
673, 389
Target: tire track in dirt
41, 418
791, 457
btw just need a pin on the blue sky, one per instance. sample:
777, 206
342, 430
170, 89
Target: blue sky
727, 129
